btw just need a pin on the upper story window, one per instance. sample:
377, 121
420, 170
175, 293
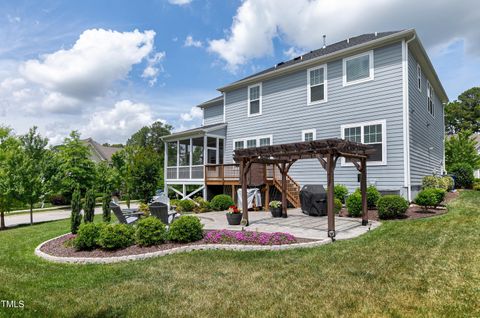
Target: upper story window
370, 133
317, 84
255, 100
358, 68
419, 77
430, 104
309, 135
251, 142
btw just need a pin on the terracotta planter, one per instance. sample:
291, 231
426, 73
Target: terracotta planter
276, 212
234, 218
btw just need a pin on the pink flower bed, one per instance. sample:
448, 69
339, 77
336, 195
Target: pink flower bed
248, 237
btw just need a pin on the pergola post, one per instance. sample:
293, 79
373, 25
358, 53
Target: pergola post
330, 195
243, 176
284, 190
363, 190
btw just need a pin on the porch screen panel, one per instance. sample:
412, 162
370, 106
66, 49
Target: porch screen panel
184, 152
197, 151
172, 154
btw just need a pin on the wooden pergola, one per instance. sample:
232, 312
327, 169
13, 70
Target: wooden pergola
327, 151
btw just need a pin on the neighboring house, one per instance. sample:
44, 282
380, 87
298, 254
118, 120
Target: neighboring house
99, 152
477, 138
379, 89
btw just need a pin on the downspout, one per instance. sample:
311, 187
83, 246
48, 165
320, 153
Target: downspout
406, 118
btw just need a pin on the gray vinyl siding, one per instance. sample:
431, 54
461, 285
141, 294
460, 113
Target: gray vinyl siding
285, 114
213, 114
426, 131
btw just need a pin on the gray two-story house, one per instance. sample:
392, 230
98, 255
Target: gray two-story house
379, 89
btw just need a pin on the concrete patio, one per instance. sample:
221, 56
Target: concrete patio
297, 224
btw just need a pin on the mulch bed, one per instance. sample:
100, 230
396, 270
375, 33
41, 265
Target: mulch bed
58, 247
414, 211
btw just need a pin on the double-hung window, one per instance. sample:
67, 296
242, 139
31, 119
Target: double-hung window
419, 77
317, 84
255, 100
251, 142
309, 135
430, 104
370, 133
358, 68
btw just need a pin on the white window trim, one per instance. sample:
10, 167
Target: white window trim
257, 138
432, 94
383, 122
325, 85
419, 78
371, 70
306, 131
259, 98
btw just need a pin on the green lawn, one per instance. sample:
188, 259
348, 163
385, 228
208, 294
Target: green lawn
427, 268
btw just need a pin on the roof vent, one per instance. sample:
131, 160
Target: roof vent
279, 64
297, 58
324, 41
376, 33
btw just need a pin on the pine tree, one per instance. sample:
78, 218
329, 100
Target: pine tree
76, 217
89, 209
106, 208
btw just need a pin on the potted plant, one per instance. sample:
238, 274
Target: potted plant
234, 217
276, 208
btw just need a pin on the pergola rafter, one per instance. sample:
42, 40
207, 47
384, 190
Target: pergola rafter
327, 151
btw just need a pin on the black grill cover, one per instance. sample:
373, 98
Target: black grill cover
313, 198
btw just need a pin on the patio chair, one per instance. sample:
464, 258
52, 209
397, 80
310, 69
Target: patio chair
124, 217
160, 211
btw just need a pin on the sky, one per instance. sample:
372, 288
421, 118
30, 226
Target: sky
108, 68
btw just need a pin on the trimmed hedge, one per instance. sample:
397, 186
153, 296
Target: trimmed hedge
340, 192
430, 198
221, 202
115, 236
338, 206
186, 229
354, 204
185, 205
437, 182
87, 236
391, 206
150, 231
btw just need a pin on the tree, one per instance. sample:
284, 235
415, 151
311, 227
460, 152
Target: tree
106, 212
76, 217
75, 167
151, 137
461, 149
464, 113
10, 186
122, 162
89, 208
107, 179
32, 176
145, 173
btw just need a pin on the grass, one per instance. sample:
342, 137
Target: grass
418, 268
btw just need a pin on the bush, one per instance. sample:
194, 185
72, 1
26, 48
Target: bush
338, 206
202, 205
430, 198
391, 206
174, 202
185, 205
476, 186
58, 199
463, 173
76, 217
186, 229
221, 202
89, 207
372, 196
354, 204
437, 182
150, 231
143, 207
448, 183
87, 236
340, 192
115, 236
106, 212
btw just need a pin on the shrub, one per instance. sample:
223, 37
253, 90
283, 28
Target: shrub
202, 205
87, 236
338, 206
354, 204
430, 182
76, 217
89, 208
174, 202
372, 196
106, 212
463, 173
476, 186
115, 236
275, 204
186, 229
150, 231
143, 207
58, 199
340, 192
248, 237
430, 198
221, 202
390, 206
185, 205
448, 183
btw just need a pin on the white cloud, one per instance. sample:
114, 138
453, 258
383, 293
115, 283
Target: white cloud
189, 41
153, 67
13, 19
96, 60
302, 23
194, 113
180, 2
120, 122
293, 52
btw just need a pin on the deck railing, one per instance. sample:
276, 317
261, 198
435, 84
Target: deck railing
222, 173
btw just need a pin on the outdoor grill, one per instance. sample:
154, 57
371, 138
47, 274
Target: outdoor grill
313, 198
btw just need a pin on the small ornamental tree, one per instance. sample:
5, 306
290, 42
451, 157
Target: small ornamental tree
106, 212
89, 208
76, 217
463, 173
